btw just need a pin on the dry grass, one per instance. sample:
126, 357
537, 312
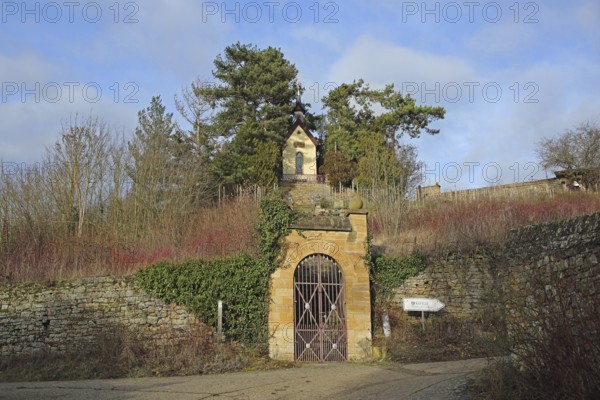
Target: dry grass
209, 232
555, 342
444, 338
118, 352
439, 226
204, 233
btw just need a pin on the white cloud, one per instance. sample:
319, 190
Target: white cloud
318, 37
587, 15
380, 63
538, 100
173, 37
502, 40
28, 128
27, 66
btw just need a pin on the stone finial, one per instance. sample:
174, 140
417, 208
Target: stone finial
355, 203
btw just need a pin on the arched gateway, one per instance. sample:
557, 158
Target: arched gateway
319, 310
320, 306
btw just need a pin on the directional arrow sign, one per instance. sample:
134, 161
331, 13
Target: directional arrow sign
416, 304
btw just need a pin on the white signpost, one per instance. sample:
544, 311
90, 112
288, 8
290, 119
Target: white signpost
423, 305
417, 304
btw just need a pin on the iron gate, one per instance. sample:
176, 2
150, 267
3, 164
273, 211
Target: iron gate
319, 310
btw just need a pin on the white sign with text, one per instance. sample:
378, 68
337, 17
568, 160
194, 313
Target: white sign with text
418, 304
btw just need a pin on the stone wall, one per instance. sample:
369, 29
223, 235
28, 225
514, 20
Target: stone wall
70, 315
461, 282
551, 281
550, 269
303, 192
555, 265
517, 190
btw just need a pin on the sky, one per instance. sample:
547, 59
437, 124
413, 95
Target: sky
508, 73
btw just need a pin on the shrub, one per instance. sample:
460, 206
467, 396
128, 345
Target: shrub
239, 281
201, 232
444, 338
439, 226
555, 334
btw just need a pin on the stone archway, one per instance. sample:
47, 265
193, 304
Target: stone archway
344, 242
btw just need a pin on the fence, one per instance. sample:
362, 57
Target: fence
298, 178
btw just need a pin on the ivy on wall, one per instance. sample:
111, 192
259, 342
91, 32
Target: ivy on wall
198, 284
389, 273
275, 217
240, 281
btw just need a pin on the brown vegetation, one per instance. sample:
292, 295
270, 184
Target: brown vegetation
442, 339
119, 352
204, 232
555, 345
436, 226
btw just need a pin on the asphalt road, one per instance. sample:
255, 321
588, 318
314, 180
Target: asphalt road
429, 381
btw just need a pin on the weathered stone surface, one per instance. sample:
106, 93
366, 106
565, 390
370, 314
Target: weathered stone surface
552, 266
348, 249
460, 282
324, 223
70, 315
551, 269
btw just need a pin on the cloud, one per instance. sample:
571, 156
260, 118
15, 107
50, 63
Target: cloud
536, 99
165, 50
173, 37
28, 128
26, 66
379, 63
587, 15
501, 40
319, 37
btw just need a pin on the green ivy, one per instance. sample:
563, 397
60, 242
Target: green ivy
389, 273
275, 217
198, 285
240, 281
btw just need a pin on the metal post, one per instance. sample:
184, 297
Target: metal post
220, 317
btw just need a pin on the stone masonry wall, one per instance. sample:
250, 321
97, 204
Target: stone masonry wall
461, 282
552, 274
552, 265
68, 316
550, 269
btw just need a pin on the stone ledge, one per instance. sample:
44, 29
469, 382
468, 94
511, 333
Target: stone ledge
323, 223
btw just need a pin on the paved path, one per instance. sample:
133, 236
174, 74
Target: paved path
429, 381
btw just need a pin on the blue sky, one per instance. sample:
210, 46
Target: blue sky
508, 73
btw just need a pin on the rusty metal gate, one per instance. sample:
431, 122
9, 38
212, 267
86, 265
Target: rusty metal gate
319, 310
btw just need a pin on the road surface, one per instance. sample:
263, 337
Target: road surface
428, 381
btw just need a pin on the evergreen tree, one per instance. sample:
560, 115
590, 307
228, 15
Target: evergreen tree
252, 101
368, 137
166, 175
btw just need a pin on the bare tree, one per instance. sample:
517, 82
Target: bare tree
390, 173
169, 177
114, 213
23, 202
577, 151
195, 106
77, 169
